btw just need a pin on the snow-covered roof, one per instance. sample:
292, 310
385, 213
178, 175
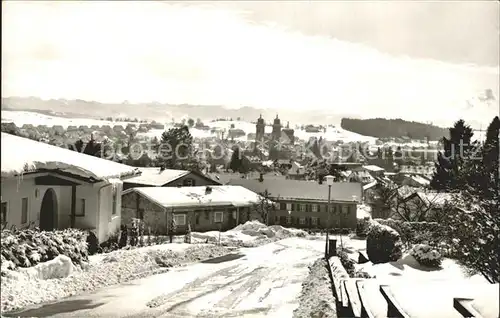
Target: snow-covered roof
155, 177
169, 197
420, 180
435, 198
370, 185
22, 155
373, 168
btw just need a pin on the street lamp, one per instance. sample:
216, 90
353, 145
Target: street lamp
329, 182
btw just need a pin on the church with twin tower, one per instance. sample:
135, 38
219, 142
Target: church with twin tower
277, 132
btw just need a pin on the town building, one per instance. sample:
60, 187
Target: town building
289, 133
158, 177
204, 208
56, 188
303, 204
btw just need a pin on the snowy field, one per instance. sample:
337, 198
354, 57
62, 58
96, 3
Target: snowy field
25, 117
263, 281
331, 134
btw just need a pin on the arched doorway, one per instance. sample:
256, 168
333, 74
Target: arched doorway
48, 211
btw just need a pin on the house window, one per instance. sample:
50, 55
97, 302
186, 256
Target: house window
282, 206
24, 210
189, 182
314, 221
289, 207
218, 217
302, 221
288, 220
302, 208
115, 197
3, 216
345, 209
197, 220
80, 210
315, 208
179, 219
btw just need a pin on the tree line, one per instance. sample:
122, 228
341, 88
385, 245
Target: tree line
393, 128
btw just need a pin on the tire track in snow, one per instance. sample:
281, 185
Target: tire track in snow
189, 287
199, 288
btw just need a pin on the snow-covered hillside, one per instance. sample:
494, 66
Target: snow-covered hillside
24, 117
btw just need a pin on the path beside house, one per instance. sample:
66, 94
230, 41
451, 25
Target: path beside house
261, 281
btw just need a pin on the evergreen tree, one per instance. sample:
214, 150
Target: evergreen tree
237, 163
489, 184
457, 151
176, 150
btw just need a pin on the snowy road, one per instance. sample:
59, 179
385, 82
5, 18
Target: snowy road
264, 282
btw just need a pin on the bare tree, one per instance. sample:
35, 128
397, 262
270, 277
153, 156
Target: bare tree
265, 206
419, 207
385, 199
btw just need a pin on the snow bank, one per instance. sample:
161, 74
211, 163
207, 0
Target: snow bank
316, 299
59, 267
363, 211
56, 280
408, 268
249, 234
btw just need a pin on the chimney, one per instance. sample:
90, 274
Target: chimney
208, 190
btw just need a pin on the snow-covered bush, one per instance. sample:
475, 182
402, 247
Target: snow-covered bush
383, 244
26, 248
426, 255
415, 232
362, 227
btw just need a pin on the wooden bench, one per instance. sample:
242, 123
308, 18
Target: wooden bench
338, 273
363, 298
353, 296
393, 307
465, 308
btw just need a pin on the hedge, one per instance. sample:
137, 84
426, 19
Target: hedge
28, 247
416, 232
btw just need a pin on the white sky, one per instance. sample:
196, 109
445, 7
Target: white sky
153, 51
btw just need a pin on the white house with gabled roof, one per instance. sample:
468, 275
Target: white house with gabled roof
56, 188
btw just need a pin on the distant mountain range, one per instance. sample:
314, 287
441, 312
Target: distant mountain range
163, 112
166, 112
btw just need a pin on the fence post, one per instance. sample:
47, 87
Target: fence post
326, 246
332, 248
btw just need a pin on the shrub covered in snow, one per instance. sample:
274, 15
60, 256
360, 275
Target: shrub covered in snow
426, 255
383, 244
362, 227
415, 232
26, 248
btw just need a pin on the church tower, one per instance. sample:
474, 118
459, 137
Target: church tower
276, 135
259, 129
289, 133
